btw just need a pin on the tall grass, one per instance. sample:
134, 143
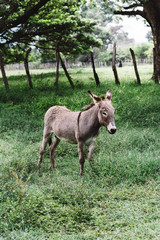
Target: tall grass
118, 198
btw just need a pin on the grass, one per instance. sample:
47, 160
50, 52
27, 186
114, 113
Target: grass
118, 198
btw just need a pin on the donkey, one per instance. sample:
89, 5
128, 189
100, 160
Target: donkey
77, 127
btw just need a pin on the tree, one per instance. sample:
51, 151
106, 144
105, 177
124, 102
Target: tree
108, 33
141, 50
119, 35
102, 17
150, 11
62, 30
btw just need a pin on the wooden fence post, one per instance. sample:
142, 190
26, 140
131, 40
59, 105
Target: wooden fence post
94, 70
135, 66
27, 68
65, 70
57, 69
114, 65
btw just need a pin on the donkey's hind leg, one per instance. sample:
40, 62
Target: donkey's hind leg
52, 149
81, 156
46, 137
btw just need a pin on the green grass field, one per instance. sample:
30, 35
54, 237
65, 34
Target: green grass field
118, 198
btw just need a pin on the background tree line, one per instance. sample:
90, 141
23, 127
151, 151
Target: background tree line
143, 51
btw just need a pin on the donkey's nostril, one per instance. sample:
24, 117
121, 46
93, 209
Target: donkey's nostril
113, 130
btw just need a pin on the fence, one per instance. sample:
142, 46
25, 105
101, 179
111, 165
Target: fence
98, 64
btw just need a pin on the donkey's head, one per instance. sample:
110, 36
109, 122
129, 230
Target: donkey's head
106, 111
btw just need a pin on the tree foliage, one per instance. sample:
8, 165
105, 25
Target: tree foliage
46, 24
57, 24
14, 14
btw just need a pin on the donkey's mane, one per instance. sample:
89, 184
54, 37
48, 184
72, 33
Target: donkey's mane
92, 104
89, 106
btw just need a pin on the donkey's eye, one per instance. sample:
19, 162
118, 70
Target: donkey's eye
104, 113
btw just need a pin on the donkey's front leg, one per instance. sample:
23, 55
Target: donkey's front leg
81, 156
91, 151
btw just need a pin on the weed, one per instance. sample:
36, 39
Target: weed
20, 187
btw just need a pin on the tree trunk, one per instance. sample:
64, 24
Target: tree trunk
4, 77
135, 66
65, 70
156, 63
94, 70
151, 9
57, 69
114, 65
27, 68
155, 73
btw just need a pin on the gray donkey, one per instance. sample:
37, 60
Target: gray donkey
77, 127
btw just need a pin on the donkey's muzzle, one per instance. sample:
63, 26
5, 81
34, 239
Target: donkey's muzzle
112, 128
112, 131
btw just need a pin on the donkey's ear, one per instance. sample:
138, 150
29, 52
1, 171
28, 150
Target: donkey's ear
108, 94
94, 97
